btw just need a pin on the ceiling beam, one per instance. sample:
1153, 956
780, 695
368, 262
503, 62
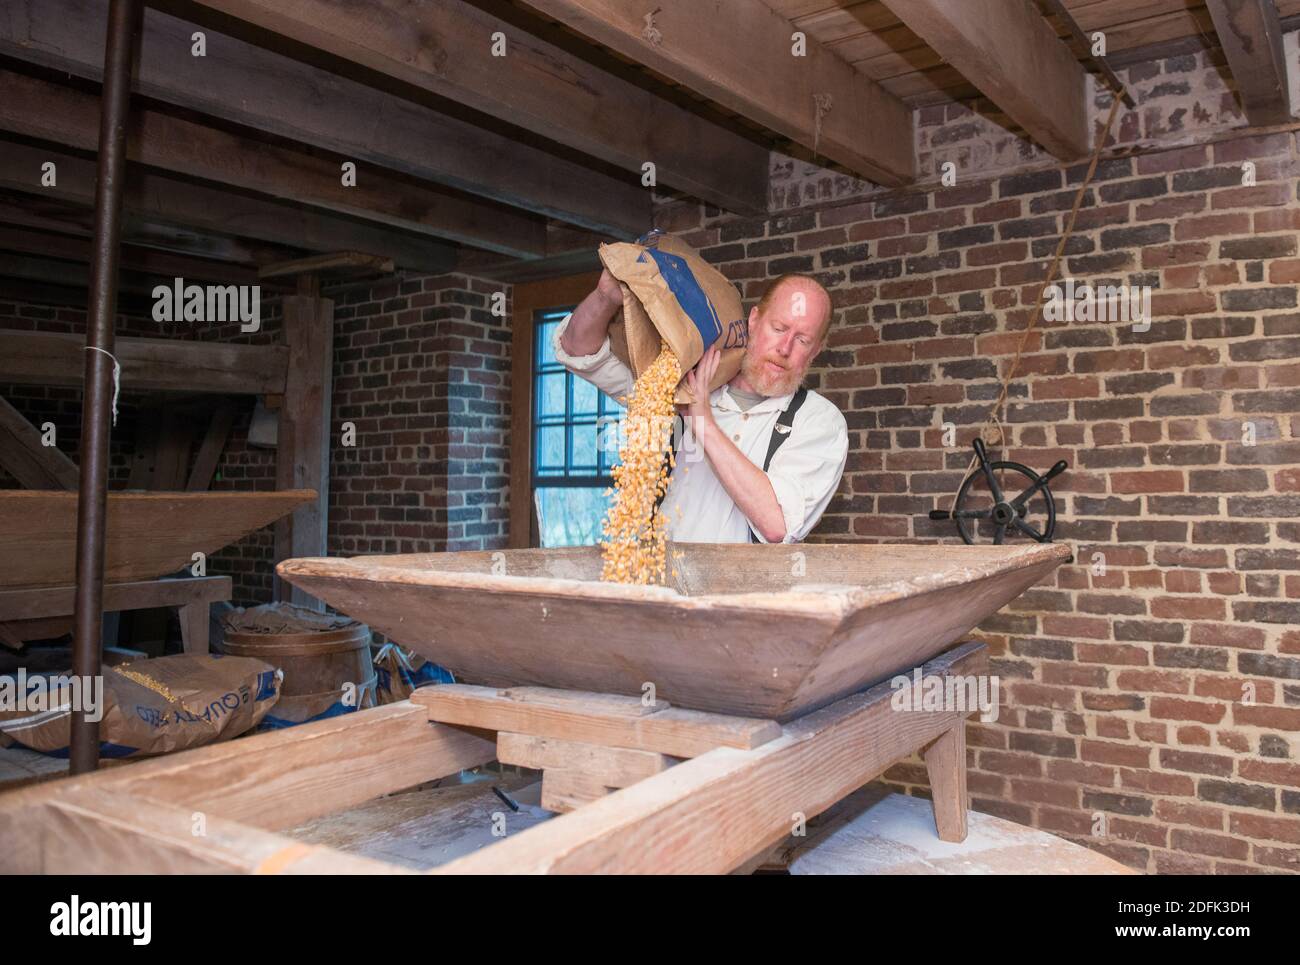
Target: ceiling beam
266, 91
52, 215
52, 112
1251, 37
1011, 54
49, 271
173, 364
739, 53
132, 257
446, 49
153, 197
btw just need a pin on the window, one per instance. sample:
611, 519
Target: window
574, 444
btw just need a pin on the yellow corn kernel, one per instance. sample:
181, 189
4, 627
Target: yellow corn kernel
635, 550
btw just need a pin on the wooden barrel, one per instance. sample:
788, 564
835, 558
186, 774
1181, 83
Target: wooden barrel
325, 673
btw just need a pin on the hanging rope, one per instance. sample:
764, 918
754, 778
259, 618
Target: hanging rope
117, 376
822, 104
1000, 401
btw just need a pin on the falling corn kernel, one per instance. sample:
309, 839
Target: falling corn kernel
635, 548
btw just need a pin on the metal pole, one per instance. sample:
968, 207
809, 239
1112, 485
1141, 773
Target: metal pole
97, 397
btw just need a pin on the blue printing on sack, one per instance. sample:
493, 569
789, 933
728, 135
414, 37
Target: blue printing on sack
265, 686
336, 709
690, 296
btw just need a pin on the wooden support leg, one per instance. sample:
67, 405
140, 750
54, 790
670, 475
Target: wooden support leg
569, 790
194, 626
945, 763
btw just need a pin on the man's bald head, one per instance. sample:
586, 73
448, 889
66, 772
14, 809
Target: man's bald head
806, 296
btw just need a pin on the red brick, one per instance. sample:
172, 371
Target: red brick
1165, 304
1167, 708
1282, 718
1125, 755
1232, 689
1198, 842
1188, 608
1176, 812
1265, 828
1152, 481
1211, 225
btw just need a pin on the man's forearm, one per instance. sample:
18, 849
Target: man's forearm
589, 325
746, 484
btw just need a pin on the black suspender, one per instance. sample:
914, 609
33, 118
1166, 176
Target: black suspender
780, 432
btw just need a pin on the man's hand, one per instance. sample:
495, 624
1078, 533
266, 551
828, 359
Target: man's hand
698, 381
610, 289
589, 324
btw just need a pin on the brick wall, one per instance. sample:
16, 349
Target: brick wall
1123, 690
422, 369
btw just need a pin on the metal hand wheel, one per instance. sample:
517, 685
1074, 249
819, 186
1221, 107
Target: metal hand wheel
988, 484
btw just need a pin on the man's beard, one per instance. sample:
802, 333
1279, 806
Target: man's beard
765, 381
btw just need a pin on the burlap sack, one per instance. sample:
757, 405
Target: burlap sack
156, 706
670, 292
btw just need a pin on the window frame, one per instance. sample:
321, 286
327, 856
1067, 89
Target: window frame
530, 301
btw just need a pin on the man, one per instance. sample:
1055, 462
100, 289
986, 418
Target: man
727, 496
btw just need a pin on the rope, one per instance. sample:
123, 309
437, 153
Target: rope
822, 104
117, 376
1042, 293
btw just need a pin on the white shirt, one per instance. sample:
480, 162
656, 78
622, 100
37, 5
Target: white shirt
805, 472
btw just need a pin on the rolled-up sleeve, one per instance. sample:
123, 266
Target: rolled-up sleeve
807, 469
602, 368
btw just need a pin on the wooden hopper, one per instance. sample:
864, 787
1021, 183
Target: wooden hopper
746, 629
149, 534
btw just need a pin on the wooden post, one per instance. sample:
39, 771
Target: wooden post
302, 459
945, 764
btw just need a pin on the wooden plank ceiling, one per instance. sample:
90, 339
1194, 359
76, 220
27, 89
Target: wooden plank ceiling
868, 35
519, 165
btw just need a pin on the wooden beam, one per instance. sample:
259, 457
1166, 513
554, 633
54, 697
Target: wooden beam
27, 459
53, 215
49, 271
133, 258
281, 778
447, 50
1251, 36
612, 766
151, 196
739, 54
1007, 49
269, 92
710, 814
37, 602
214, 441
349, 260
41, 109
305, 429
592, 718
45, 358
100, 832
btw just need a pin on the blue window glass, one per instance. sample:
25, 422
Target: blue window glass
575, 444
